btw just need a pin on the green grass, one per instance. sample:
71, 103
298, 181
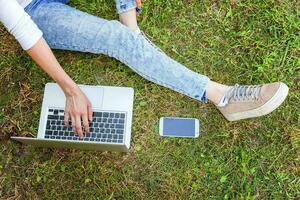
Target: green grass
237, 41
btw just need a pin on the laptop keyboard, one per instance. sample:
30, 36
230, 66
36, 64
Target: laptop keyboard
106, 126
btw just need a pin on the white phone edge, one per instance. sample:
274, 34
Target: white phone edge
197, 131
161, 125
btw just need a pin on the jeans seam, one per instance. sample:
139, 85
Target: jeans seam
157, 81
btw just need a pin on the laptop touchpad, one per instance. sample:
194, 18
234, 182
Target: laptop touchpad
94, 94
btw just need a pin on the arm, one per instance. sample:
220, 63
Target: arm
20, 25
77, 104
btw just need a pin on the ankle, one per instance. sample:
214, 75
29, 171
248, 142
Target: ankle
216, 91
129, 19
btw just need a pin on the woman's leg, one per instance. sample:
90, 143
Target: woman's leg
67, 28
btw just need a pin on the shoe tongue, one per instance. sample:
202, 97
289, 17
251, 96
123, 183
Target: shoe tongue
225, 99
230, 93
223, 102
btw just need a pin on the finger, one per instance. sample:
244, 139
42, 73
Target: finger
90, 112
78, 126
85, 123
73, 124
66, 119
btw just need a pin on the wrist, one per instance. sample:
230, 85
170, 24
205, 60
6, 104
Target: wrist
69, 87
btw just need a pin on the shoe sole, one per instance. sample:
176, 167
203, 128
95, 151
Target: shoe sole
267, 108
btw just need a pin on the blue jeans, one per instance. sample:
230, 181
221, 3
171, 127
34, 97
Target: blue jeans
69, 29
126, 5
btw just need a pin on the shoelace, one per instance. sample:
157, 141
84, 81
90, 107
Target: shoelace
244, 92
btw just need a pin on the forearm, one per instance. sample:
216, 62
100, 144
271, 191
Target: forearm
78, 108
43, 56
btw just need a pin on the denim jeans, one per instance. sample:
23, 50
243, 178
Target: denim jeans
125, 5
66, 28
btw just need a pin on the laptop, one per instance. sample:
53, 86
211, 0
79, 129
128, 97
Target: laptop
110, 129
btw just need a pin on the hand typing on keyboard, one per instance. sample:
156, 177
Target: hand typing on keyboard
78, 109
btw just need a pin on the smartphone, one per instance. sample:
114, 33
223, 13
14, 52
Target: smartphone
179, 127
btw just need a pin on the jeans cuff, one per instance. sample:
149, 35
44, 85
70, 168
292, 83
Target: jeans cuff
204, 98
126, 6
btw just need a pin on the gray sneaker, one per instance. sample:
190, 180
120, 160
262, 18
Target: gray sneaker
253, 100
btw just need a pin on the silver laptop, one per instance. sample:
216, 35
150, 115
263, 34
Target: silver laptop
110, 129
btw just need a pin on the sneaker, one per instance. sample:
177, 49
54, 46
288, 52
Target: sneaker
253, 100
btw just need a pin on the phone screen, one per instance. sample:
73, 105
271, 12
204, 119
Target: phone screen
178, 127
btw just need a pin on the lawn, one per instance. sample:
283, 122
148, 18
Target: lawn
232, 41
